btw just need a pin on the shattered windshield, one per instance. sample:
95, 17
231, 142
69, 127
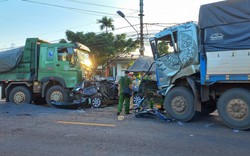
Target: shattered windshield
167, 44
84, 58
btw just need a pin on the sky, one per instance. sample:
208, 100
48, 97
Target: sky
49, 19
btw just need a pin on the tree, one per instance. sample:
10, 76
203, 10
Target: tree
163, 48
104, 46
106, 23
62, 41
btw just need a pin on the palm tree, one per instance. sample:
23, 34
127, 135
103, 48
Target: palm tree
106, 23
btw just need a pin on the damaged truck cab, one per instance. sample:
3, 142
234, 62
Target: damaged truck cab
175, 51
205, 66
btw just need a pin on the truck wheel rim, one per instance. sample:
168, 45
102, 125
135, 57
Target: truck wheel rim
237, 109
19, 97
56, 96
178, 104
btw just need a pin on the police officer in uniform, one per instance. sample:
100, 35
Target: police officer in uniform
124, 82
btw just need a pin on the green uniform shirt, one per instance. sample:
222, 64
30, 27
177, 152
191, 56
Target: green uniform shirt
127, 81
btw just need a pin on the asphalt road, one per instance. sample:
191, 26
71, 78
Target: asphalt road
32, 130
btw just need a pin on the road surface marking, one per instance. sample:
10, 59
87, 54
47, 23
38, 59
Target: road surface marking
85, 123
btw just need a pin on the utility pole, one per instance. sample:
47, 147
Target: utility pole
141, 29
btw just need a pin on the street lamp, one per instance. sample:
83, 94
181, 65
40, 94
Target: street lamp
141, 38
123, 16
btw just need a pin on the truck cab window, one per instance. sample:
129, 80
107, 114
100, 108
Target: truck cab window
66, 54
167, 44
62, 54
71, 56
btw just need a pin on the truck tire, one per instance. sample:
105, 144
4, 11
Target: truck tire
20, 95
57, 94
234, 108
179, 104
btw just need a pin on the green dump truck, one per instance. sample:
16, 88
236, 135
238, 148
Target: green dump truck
41, 71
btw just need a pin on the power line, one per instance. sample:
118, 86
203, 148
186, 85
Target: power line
71, 8
127, 26
129, 34
77, 1
91, 12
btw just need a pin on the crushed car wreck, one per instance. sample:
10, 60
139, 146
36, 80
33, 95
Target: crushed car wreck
91, 94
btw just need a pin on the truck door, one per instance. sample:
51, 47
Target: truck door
166, 58
66, 60
63, 59
66, 66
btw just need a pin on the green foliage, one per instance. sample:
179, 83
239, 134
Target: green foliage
104, 46
106, 23
163, 48
62, 41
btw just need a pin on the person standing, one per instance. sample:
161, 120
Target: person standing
124, 82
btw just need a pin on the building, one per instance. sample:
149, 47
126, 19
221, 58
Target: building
117, 66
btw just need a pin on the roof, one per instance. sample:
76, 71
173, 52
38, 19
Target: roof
142, 64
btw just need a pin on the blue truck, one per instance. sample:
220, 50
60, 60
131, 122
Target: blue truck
204, 66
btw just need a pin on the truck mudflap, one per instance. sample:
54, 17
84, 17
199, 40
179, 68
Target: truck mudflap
195, 90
